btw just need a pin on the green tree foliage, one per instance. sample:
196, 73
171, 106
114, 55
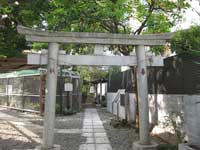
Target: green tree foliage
91, 16
187, 41
161, 17
13, 13
27, 13
11, 43
155, 16
91, 74
39, 46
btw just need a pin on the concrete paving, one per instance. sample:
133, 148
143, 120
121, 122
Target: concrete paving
93, 135
87, 130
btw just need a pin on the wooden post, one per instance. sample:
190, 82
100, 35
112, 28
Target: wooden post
41, 94
117, 111
96, 93
100, 100
61, 89
126, 105
79, 94
49, 116
23, 97
8, 103
70, 96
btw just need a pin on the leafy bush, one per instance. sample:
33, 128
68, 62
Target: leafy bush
36, 106
174, 120
167, 147
103, 102
187, 41
2, 56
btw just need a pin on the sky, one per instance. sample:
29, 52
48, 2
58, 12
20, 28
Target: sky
190, 17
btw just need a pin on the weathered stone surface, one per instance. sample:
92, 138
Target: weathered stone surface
184, 146
142, 88
151, 146
95, 60
93, 38
55, 147
29, 31
192, 121
50, 102
95, 138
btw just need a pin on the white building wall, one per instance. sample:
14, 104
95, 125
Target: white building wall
131, 114
104, 88
167, 105
110, 96
192, 119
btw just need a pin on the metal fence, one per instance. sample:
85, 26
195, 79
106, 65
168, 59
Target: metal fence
179, 75
20, 92
28, 92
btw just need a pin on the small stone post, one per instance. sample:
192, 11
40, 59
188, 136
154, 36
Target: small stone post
126, 99
96, 93
100, 92
70, 97
49, 115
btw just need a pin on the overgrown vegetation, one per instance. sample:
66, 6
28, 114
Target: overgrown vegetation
103, 102
167, 147
90, 74
122, 124
113, 16
11, 43
187, 41
174, 120
34, 106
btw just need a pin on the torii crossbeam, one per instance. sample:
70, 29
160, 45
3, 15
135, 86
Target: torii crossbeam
91, 60
54, 38
93, 38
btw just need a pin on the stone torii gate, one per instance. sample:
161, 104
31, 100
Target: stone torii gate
54, 59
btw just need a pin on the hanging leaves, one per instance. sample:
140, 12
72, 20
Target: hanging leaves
187, 41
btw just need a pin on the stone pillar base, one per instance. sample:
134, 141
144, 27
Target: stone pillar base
55, 147
184, 146
151, 146
98, 105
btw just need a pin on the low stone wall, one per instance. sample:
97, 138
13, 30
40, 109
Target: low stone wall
192, 119
167, 112
185, 147
132, 106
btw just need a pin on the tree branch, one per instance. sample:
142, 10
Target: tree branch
151, 9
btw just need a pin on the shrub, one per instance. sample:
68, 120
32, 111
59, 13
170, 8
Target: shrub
167, 147
187, 41
103, 102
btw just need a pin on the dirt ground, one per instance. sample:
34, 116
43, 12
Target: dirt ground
23, 131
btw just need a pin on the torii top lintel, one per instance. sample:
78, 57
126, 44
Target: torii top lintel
94, 38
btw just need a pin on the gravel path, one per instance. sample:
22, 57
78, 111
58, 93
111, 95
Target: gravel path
11, 137
120, 139
22, 131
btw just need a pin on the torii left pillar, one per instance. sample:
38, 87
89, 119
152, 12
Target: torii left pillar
50, 101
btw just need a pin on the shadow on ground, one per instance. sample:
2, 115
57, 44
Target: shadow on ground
12, 137
12, 144
120, 138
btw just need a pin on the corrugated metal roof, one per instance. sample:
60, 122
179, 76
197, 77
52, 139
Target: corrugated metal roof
20, 73
37, 72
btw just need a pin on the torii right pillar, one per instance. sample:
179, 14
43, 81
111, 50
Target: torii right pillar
144, 143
